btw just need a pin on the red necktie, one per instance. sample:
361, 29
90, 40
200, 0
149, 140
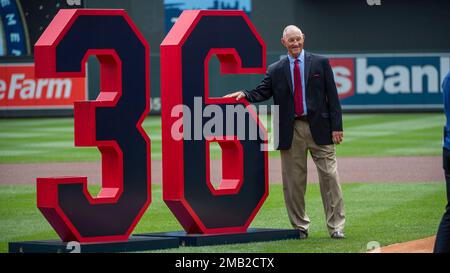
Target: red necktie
298, 96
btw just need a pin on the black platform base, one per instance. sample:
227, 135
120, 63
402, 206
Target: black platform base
252, 235
134, 243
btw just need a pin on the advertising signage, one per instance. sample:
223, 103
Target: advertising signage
20, 89
390, 81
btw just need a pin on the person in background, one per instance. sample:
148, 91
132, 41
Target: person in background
442, 244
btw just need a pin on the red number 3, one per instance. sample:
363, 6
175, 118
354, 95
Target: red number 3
112, 123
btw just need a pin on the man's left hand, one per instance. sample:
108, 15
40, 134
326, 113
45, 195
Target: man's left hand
337, 137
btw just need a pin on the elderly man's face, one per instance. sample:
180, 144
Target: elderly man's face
293, 41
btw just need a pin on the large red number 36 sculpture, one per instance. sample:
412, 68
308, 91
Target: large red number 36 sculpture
112, 123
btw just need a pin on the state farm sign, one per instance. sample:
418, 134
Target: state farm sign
19, 89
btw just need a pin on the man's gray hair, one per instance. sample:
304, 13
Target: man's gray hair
291, 27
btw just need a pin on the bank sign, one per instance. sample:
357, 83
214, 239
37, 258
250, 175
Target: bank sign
390, 81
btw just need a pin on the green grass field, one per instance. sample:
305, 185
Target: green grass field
387, 213
51, 140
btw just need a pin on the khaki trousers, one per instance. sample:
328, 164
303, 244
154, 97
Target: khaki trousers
294, 174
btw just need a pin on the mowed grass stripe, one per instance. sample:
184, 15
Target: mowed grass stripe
364, 135
394, 135
387, 213
35, 123
387, 128
25, 134
388, 209
51, 140
353, 120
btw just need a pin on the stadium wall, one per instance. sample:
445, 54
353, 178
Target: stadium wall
398, 50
